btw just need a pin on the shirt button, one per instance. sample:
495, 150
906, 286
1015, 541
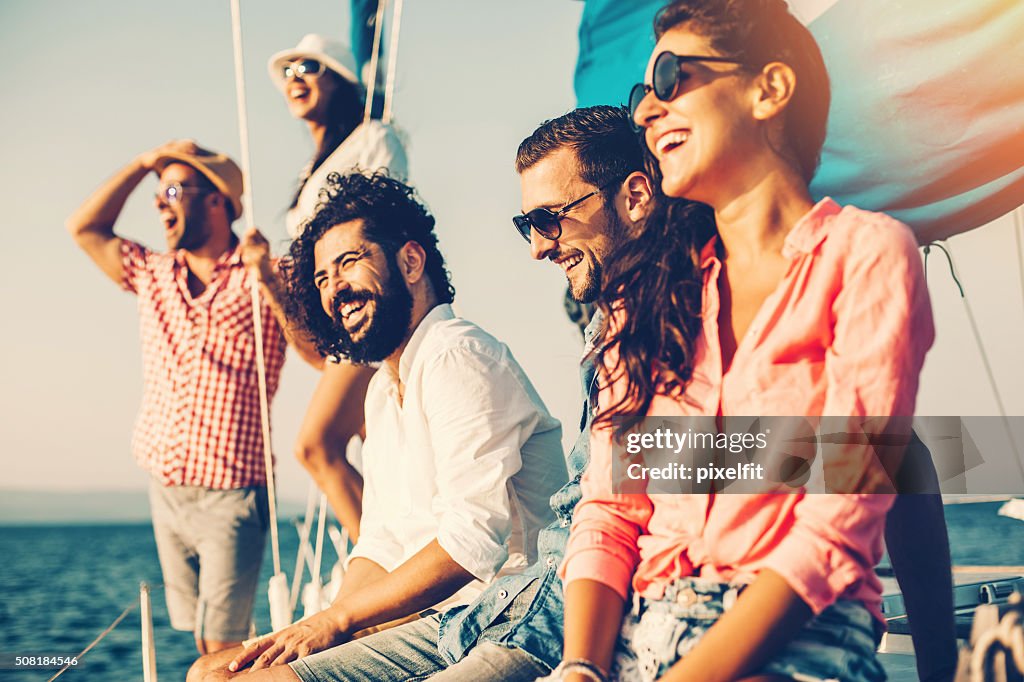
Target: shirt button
502, 594
550, 561
563, 523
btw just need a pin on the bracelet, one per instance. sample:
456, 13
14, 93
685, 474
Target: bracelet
579, 665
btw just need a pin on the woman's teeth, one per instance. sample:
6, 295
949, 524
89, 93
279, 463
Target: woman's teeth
670, 141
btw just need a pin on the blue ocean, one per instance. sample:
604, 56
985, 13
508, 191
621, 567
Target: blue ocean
60, 586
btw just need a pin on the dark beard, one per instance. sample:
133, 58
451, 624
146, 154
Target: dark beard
591, 286
392, 315
195, 231
618, 232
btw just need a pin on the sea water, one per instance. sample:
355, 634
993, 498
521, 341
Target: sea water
60, 586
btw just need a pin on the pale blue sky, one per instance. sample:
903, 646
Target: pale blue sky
94, 83
91, 84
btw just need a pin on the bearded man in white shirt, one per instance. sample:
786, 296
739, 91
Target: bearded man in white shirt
461, 455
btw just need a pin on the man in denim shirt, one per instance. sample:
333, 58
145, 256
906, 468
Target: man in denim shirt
583, 193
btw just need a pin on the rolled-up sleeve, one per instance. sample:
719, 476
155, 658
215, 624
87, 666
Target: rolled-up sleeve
479, 418
606, 525
833, 545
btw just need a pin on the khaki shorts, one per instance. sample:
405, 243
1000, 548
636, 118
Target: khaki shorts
210, 544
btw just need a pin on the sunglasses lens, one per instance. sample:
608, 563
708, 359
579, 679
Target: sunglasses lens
636, 96
545, 222
309, 67
306, 67
665, 76
522, 224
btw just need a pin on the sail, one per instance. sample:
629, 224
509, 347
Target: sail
927, 118
361, 34
364, 18
616, 38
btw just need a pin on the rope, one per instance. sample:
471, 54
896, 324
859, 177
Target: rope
110, 628
378, 27
254, 287
952, 272
389, 84
981, 350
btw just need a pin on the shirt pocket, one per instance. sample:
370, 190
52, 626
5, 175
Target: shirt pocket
232, 339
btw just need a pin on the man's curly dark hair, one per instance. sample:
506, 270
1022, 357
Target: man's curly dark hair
392, 216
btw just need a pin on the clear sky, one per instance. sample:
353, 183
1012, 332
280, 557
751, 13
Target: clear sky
91, 84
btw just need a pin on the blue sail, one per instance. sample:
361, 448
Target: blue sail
927, 119
616, 38
364, 18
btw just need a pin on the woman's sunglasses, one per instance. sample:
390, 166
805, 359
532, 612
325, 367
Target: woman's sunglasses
667, 76
546, 222
302, 68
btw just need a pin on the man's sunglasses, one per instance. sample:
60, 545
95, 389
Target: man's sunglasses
171, 194
302, 68
667, 76
548, 223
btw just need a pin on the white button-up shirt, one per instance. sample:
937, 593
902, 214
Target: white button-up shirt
470, 456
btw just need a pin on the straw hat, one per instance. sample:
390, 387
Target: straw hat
334, 54
219, 169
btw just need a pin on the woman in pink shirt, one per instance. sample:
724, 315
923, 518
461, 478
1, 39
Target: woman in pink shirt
805, 310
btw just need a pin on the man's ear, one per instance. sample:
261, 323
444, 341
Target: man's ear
216, 200
639, 196
412, 262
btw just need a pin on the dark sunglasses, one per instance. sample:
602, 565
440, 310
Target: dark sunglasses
667, 76
302, 68
548, 223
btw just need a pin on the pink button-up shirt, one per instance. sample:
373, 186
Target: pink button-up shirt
845, 333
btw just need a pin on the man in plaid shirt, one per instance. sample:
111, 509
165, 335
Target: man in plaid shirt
199, 431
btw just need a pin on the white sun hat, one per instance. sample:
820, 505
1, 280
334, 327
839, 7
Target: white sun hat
334, 54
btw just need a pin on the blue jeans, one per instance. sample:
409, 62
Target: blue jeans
409, 652
837, 645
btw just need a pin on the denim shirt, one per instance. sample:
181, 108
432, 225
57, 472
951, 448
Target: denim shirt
525, 611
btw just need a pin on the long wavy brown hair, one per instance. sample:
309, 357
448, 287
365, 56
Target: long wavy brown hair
651, 297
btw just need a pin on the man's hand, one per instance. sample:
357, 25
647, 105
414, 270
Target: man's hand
306, 637
92, 224
256, 254
148, 159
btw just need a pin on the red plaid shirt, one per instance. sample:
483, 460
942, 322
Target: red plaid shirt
200, 418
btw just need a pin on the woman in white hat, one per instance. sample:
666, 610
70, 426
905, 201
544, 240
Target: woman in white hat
320, 86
